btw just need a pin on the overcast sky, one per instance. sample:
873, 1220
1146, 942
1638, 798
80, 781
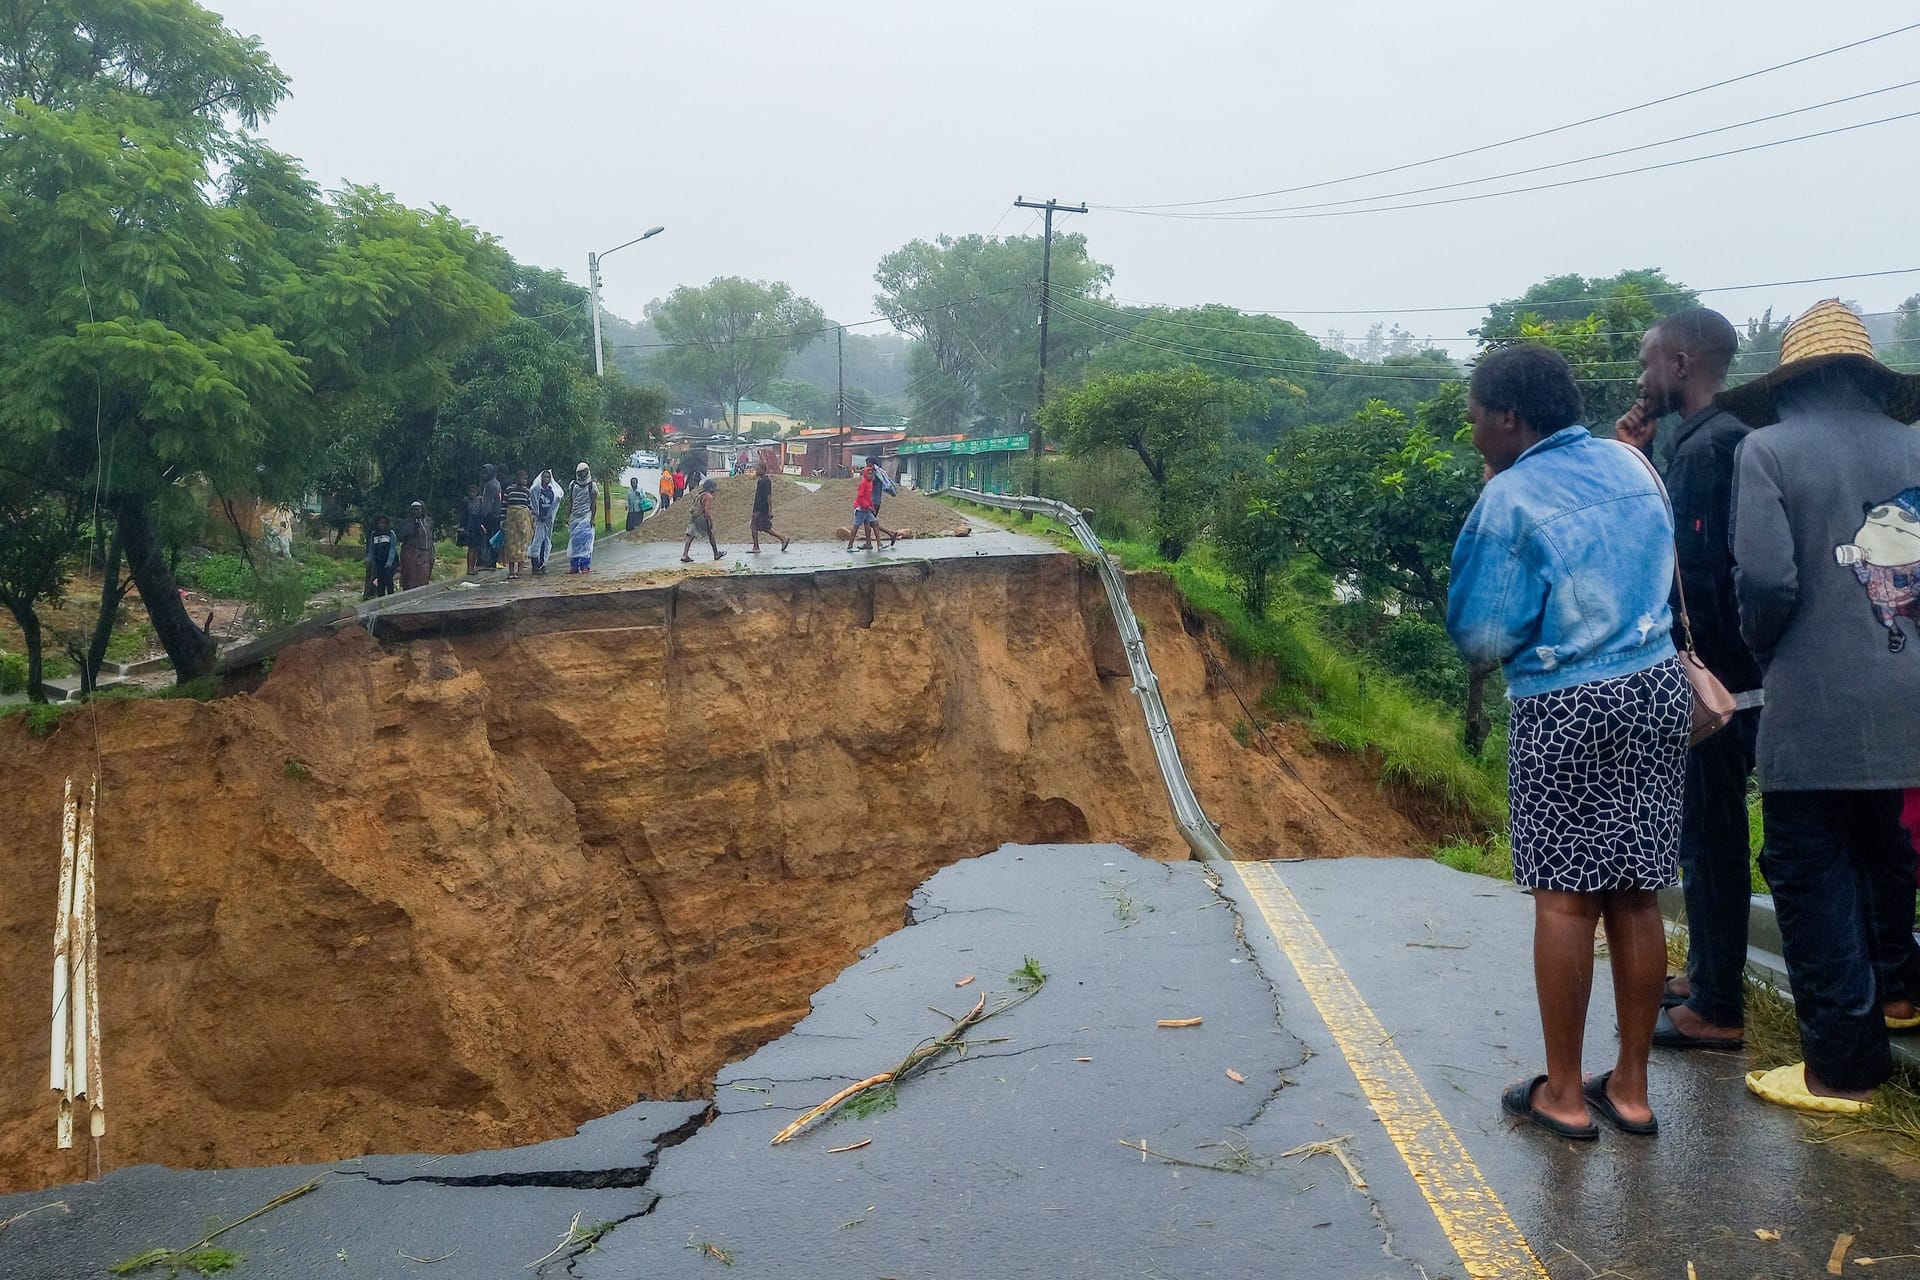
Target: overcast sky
803, 139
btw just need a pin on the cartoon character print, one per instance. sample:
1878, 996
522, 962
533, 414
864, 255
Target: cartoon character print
1885, 556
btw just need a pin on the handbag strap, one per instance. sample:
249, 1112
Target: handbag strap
1679, 587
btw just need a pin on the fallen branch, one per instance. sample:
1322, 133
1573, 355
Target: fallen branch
953, 1038
61, 1205
1335, 1147
170, 1257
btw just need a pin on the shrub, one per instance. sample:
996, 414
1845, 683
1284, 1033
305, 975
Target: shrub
280, 593
218, 574
13, 673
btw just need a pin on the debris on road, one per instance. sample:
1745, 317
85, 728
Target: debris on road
1178, 1022
1235, 1076
1837, 1260
851, 1146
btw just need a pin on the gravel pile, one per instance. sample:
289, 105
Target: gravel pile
802, 515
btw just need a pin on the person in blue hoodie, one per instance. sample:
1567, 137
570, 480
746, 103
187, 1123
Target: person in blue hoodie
1562, 575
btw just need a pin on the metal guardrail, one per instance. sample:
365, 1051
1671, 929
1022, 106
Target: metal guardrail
1195, 827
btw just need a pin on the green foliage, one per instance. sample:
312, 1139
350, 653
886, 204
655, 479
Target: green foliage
205, 1261
872, 1102
226, 576
1378, 500
1176, 421
1422, 654
973, 305
13, 674
733, 336
1109, 486
1492, 856
295, 771
1904, 352
42, 718
280, 591
1028, 977
1597, 325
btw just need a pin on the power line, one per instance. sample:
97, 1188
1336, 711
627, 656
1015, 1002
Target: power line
1230, 214
1525, 137
1277, 215
784, 334
1481, 306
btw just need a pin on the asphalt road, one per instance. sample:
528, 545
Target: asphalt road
1009, 1159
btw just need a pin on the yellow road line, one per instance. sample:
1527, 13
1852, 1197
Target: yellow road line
1475, 1222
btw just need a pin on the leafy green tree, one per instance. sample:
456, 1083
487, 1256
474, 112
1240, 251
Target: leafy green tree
39, 540
732, 336
1905, 352
973, 303
1379, 500
1178, 422
1597, 324
176, 301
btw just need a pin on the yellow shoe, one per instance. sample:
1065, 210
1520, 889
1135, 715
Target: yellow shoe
1787, 1087
1902, 1024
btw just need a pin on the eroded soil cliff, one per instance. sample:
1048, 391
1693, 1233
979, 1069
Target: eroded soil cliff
454, 889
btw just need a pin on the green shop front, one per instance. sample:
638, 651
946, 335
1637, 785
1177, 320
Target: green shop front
985, 464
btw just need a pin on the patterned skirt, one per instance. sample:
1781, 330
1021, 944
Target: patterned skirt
1594, 781
519, 533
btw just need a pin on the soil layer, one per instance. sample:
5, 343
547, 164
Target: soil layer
465, 891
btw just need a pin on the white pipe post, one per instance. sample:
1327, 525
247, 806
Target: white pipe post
69, 833
82, 972
96, 1065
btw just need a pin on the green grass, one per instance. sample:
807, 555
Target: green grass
1342, 698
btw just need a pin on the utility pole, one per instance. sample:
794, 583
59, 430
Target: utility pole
593, 287
840, 362
1046, 309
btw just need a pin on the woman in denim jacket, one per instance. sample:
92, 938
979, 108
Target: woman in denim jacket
1561, 575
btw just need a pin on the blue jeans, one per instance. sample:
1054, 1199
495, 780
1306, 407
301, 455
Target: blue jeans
1841, 869
1714, 873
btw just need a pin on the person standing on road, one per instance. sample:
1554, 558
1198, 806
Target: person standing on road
666, 488
580, 496
637, 504
493, 512
680, 482
546, 506
416, 548
383, 556
473, 528
1561, 575
518, 499
1826, 547
763, 510
1683, 364
701, 525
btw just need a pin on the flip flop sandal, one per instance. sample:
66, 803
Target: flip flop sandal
1668, 1036
1518, 1101
1668, 996
785, 543
1902, 1026
686, 559
1787, 1087
1596, 1091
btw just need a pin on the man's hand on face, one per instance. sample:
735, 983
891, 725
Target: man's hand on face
1636, 426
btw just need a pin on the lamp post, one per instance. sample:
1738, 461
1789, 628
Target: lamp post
593, 285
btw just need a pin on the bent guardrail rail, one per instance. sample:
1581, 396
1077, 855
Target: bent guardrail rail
1195, 827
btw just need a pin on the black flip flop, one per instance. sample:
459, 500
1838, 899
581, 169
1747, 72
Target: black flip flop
1518, 1101
1668, 1036
1596, 1091
1669, 997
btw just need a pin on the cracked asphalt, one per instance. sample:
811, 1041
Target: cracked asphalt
1021, 1156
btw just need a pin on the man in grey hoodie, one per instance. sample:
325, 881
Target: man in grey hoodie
1826, 544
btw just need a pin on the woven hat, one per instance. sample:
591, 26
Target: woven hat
1828, 334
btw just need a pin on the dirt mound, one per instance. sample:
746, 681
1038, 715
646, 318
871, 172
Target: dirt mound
472, 891
802, 514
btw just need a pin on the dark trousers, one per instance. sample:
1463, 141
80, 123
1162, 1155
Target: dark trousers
1841, 869
1714, 868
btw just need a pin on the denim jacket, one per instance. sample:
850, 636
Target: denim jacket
1562, 572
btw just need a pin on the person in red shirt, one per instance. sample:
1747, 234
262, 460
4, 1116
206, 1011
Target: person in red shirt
866, 517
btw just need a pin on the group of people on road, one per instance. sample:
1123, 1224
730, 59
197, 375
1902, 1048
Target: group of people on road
1664, 637
872, 489
511, 525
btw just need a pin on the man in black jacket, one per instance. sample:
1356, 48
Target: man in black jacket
1684, 362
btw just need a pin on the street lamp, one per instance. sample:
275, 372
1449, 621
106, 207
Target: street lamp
593, 281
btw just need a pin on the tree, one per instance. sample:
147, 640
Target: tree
176, 299
1176, 421
39, 538
974, 305
1597, 324
732, 336
1905, 354
1379, 500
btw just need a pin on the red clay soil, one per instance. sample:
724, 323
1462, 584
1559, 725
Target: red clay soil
469, 892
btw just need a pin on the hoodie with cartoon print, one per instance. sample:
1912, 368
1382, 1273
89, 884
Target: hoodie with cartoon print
1826, 544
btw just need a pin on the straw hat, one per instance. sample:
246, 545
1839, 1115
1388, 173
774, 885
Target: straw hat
1827, 334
